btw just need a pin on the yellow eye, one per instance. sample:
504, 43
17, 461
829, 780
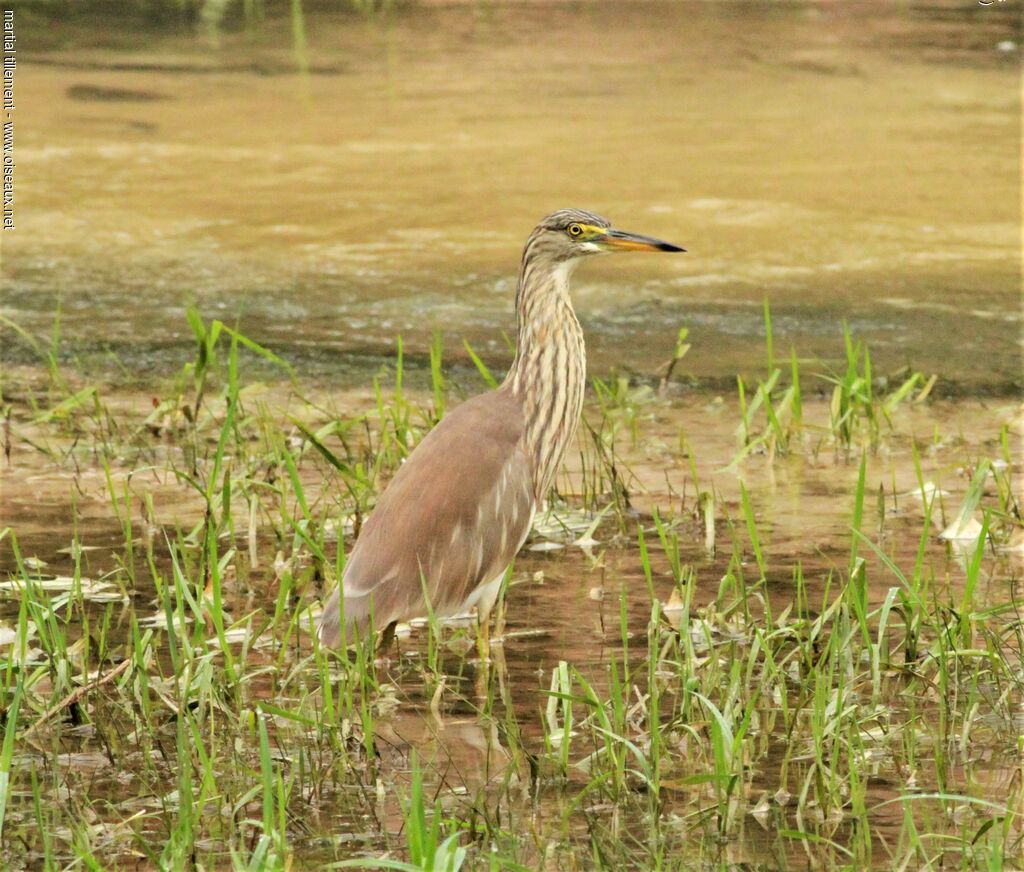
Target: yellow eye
575, 230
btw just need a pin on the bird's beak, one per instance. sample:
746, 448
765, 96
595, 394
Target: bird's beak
620, 240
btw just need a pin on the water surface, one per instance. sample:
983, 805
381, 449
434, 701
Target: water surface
563, 605
854, 162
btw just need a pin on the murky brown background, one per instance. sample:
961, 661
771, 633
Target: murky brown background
845, 161
856, 161
564, 602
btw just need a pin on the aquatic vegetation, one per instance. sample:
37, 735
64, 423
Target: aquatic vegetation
708, 658
860, 402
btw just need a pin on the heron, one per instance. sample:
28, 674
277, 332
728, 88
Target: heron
449, 524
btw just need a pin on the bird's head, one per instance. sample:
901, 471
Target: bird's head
570, 234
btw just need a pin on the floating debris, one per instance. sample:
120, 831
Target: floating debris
563, 524
926, 492
967, 530
761, 810
90, 589
8, 635
673, 609
242, 633
159, 621
76, 549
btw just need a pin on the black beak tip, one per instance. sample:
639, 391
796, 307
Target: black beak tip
668, 246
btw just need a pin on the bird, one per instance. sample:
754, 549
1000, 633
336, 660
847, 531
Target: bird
449, 524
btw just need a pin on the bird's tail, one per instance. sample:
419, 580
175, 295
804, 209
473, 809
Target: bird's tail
332, 631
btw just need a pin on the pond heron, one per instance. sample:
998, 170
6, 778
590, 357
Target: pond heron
449, 524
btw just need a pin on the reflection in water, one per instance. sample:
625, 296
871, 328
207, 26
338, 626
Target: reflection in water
462, 753
578, 606
848, 162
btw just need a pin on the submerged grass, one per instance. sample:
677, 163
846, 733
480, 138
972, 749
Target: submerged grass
848, 704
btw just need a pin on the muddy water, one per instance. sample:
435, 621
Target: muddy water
857, 162
853, 161
564, 603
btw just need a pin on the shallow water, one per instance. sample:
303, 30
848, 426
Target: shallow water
563, 605
854, 162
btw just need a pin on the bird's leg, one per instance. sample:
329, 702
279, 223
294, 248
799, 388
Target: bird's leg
501, 670
483, 648
385, 639
492, 662
387, 636
483, 631
483, 637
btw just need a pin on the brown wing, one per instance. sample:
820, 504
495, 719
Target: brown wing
451, 519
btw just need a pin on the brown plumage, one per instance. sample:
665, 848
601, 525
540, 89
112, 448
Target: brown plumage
455, 515
453, 518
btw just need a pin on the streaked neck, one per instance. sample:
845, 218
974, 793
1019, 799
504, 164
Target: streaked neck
549, 370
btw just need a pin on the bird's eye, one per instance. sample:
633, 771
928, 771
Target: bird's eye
575, 230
